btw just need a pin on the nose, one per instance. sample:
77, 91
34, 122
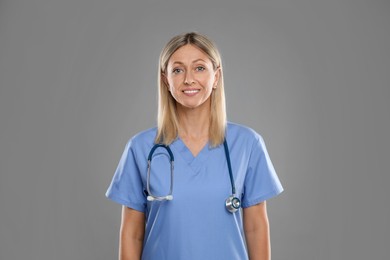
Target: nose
189, 79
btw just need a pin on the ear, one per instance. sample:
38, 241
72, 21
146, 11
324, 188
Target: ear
217, 76
164, 79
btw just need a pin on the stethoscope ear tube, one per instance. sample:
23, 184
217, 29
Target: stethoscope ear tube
150, 196
232, 203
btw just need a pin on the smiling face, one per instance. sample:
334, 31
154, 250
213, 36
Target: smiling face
190, 77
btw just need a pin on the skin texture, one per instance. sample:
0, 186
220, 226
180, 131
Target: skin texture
131, 234
190, 69
256, 228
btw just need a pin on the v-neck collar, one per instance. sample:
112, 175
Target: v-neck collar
195, 162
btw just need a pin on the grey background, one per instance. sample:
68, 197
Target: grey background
78, 78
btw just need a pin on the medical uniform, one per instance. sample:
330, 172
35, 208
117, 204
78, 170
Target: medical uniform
195, 225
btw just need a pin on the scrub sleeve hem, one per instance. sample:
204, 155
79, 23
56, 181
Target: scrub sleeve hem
265, 197
129, 204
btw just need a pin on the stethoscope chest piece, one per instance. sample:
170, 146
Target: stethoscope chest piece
232, 204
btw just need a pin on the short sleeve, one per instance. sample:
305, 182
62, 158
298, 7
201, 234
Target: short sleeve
261, 181
126, 187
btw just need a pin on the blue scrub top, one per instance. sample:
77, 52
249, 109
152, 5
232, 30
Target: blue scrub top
195, 224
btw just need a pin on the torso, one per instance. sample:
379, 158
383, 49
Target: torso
195, 224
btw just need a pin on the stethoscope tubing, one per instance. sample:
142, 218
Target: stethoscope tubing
150, 196
227, 154
232, 203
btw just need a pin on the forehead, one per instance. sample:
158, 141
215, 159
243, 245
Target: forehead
187, 54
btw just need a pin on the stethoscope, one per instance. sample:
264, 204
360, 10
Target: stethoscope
232, 203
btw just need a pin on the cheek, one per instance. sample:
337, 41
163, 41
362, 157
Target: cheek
172, 88
173, 82
209, 81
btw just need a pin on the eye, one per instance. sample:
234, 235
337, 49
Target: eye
176, 70
200, 68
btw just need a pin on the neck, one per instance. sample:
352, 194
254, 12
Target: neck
194, 123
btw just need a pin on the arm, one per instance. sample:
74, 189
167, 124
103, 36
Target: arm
131, 234
256, 228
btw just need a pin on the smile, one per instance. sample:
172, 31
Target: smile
191, 91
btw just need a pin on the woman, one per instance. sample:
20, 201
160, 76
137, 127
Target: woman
199, 218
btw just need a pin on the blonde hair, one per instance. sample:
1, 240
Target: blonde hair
167, 119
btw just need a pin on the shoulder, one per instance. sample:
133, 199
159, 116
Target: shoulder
143, 138
145, 135
242, 133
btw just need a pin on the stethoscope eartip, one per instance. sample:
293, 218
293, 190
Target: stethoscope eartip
152, 198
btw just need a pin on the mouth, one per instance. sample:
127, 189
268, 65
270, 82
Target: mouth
191, 91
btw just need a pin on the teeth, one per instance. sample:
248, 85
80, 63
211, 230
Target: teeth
191, 91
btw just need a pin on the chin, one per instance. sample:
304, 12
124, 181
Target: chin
193, 105
189, 106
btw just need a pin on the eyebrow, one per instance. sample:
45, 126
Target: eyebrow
195, 61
